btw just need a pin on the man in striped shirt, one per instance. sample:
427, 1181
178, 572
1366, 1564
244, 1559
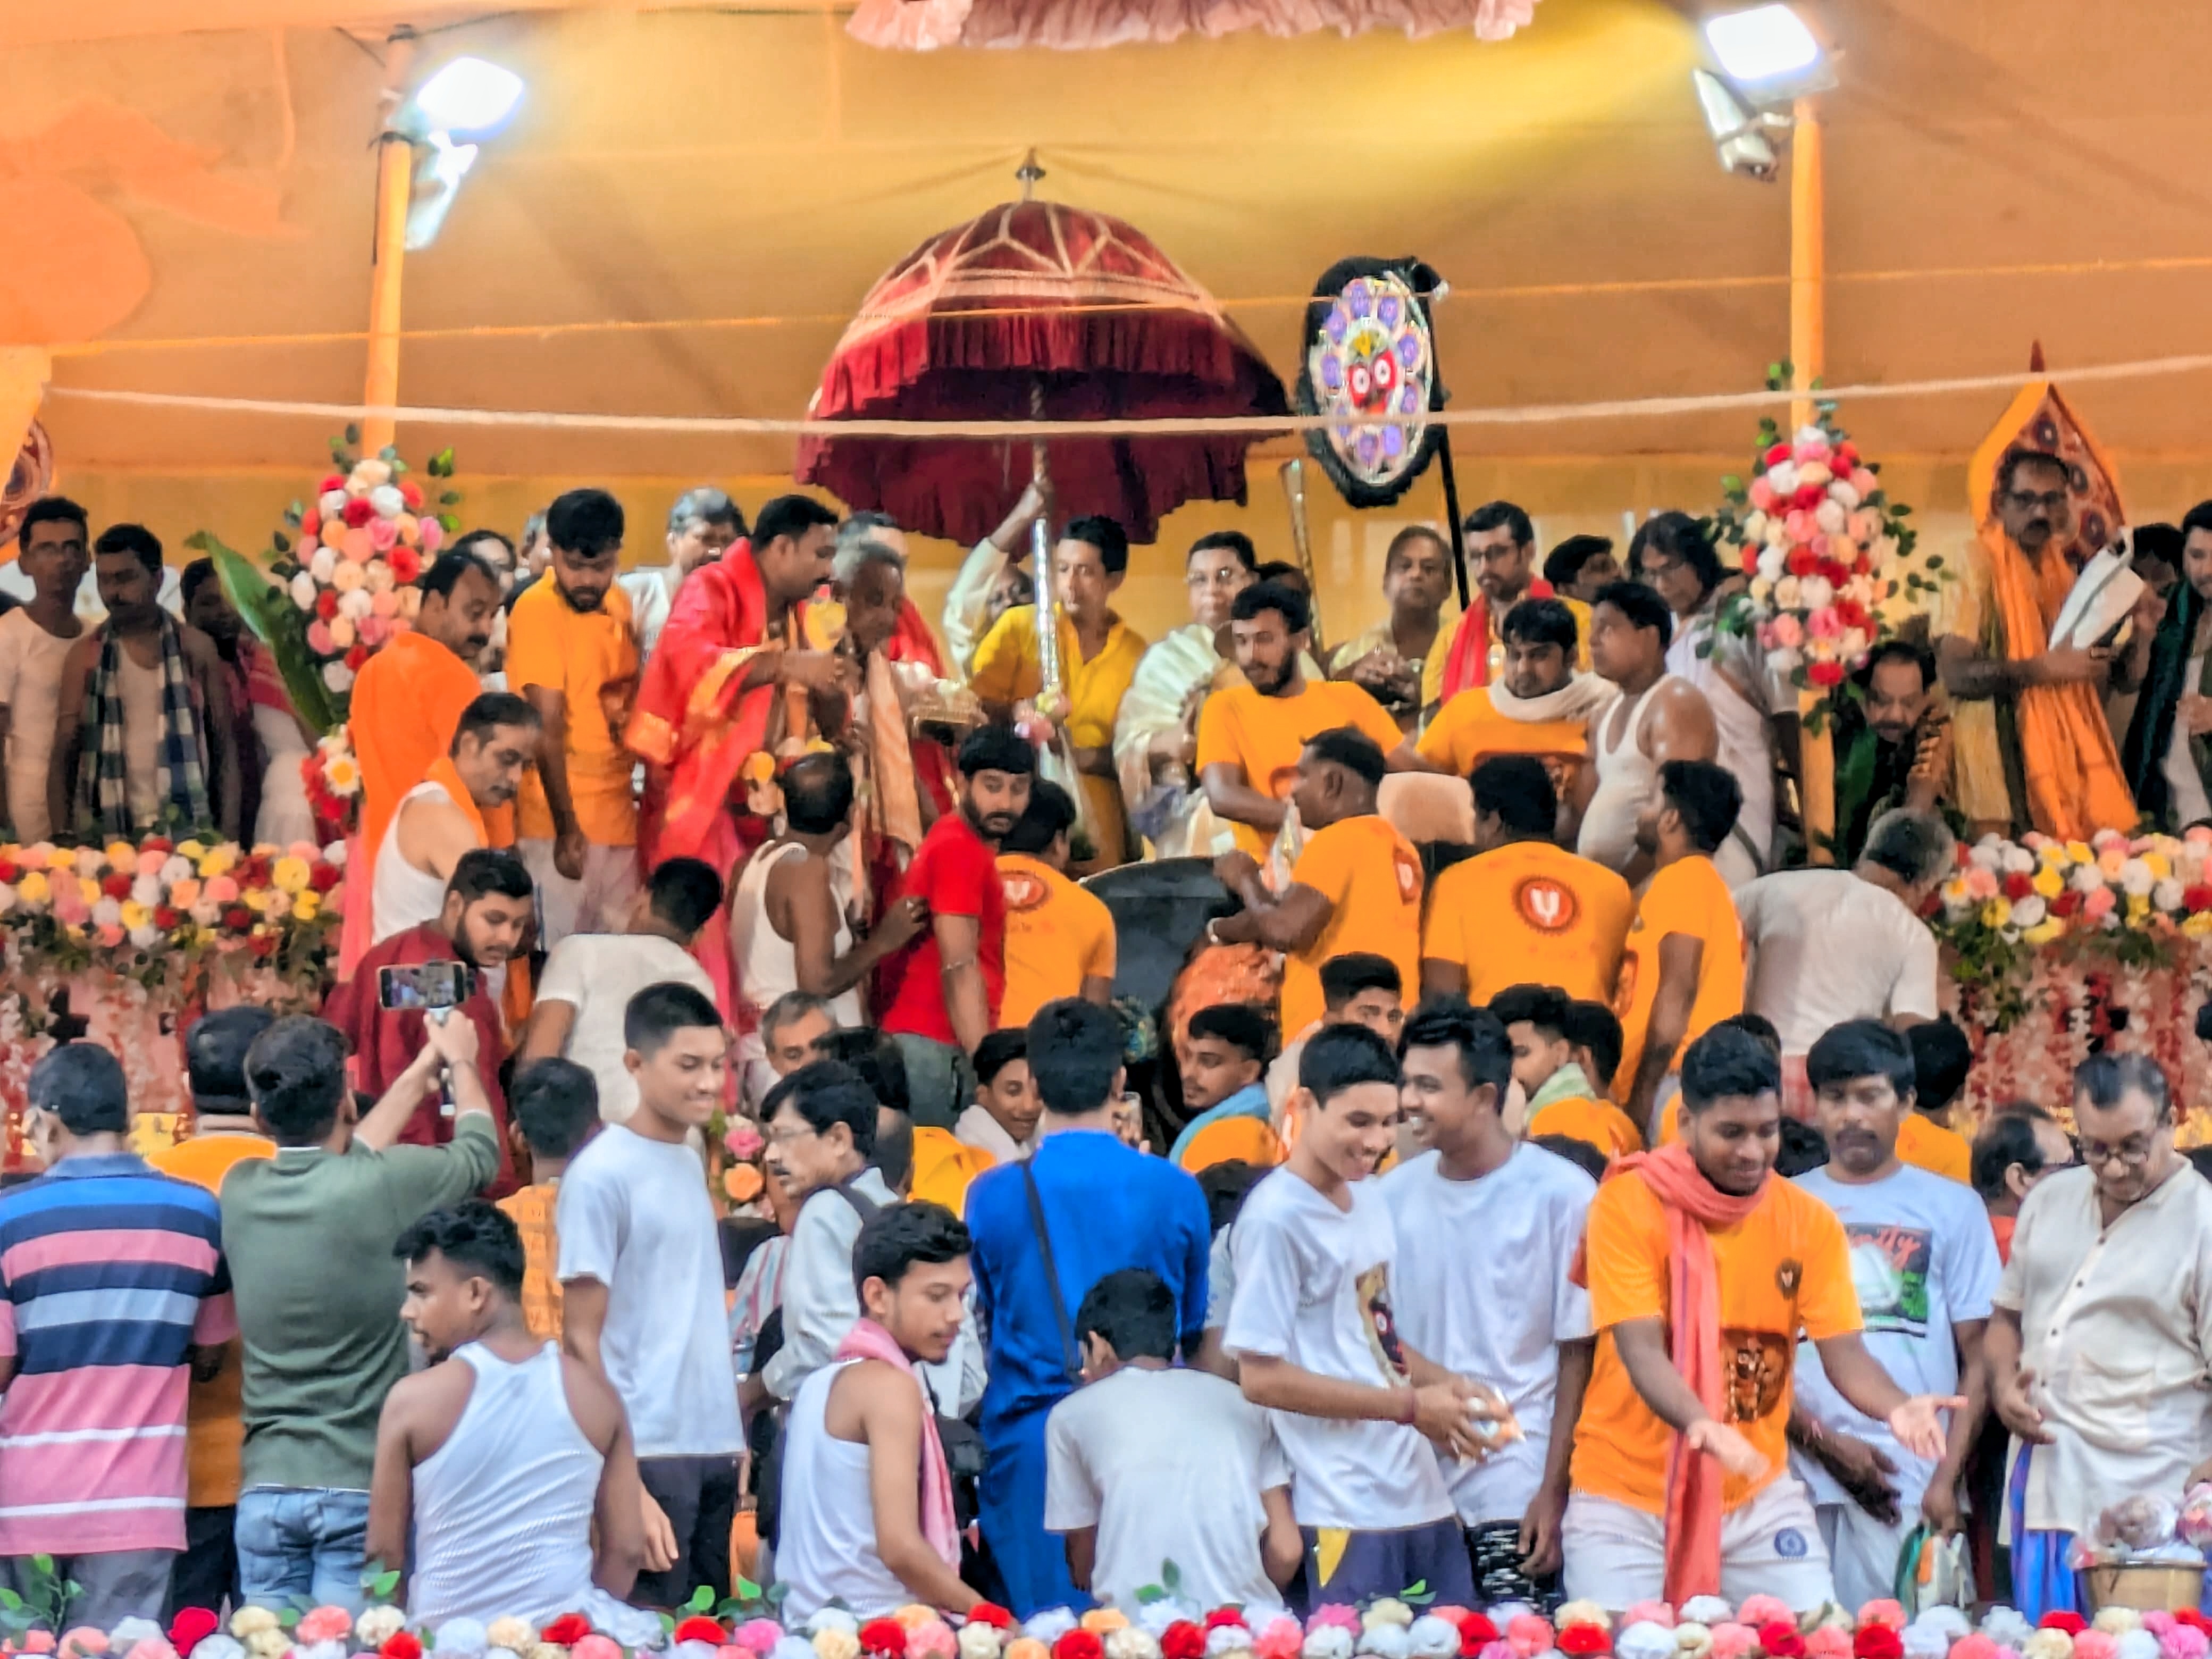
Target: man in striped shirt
112, 1289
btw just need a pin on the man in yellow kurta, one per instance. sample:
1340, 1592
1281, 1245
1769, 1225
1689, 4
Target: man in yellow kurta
1098, 658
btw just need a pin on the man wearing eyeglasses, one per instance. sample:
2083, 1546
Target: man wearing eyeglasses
2101, 1339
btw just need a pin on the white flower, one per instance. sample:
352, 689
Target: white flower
207, 913
1434, 1637
128, 1632
1786, 593
107, 914
145, 938
2166, 895
1812, 438
332, 1649
464, 1637
982, 1642
388, 501
2136, 1644
792, 1647
302, 590
1754, 527
2017, 860
1130, 1642
1989, 852
1773, 563
1816, 592
175, 869
1386, 1642
694, 1649
217, 1646
1830, 517
338, 677
1853, 645
1329, 1642
1781, 478
335, 854
368, 472
331, 503
1841, 492
1644, 1640
2028, 912
1762, 591
90, 861
1954, 1622
1049, 1625
379, 1625
1778, 534
1228, 1638
1157, 1616
2086, 879
2135, 878
1389, 1610
358, 605
146, 891
516, 1635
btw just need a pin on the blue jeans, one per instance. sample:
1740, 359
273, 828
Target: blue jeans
301, 1544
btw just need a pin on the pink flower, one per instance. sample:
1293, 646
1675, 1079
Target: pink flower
373, 630
1787, 631
1759, 1610
2182, 1642
1527, 1634
319, 641
1733, 1641
596, 1646
1821, 546
222, 889
1280, 1640
323, 1625
434, 537
1825, 624
2097, 905
70, 908
1656, 1612
85, 1638
382, 534
384, 605
1981, 883
2095, 1645
933, 1638
1762, 494
110, 938
1864, 482
759, 1634
357, 548
150, 863
1800, 526
1826, 1642
1342, 1614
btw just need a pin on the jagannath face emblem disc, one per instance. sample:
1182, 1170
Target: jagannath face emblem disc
1370, 366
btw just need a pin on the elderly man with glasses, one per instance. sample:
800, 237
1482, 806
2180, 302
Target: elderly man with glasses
2101, 1339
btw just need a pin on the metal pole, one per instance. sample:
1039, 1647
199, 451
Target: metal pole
1808, 317
1451, 513
395, 173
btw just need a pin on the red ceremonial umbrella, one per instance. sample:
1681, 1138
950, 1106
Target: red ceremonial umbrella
1036, 310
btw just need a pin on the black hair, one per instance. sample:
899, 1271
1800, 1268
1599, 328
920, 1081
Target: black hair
52, 509
792, 516
1725, 1062
1594, 1026
490, 712
1707, 796
1580, 1153
1897, 649
1103, 533
1518, 789
1802, 1148
1485, 1055
1049, 815
1340, 1057
588, 522
1760, 1026
1563, 565
660, 1011
2198, 517
1226, 1185
1245, 1026
1271, 570
817, 793
704, 504
893, 1154
484, 871
135, 539
875, 1058
997, 749
2103, 1079
193, 577
1494, 515
1353, 750
446, 570
825, 1093
1415, 533
1640, 605
1677, 536
1285, 602
476, 1236
897, 1237
296, 1077
684, 893
2021, 455
997, 1051
1132, 1311
1544, 1006
557, 1104
1860, 1047
1075, 1053
215, 1055
1543, 622
1345, 976
1234, 540
81, 1084
2009, 1138
466, 541
1941, 1057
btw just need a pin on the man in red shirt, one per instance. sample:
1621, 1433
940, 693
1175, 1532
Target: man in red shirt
943, 991
488, 905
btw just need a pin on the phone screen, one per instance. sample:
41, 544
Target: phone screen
425, 986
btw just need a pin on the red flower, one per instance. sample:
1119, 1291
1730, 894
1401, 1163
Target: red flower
2066, 903
192, 1627
311, 527
1584, 1641
1221, 1616
1475, 1632
1810, 495
2198, 897
1826, 676
1750, 561
700, 1628
357, 513
166, 918
2193, 1617
990, 1613
161, 844
357, 658
1851, 613
116, 886
410, 494
1835, 571
264, 945
1183, 1640
2072, 1623
337, 481
1878, 1642
326, 603
1781, 1641
1846, 461
402, 1645
323, 876
238, 918
10, 873
1079, 1645
567, 1631
886, 1636
1774, 456
1800, 561
2018, 887
406, 564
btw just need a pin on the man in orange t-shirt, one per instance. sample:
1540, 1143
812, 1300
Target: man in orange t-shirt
1703, 1270
570, 652
1357, 885
1681, 970
1539, 706
552, 1109
1250, 736
1522, 910
1060, 936
1561, 1098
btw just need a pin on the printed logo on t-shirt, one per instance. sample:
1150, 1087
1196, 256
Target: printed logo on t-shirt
1889, 1270
1547, 906
1381, 1324
1790, 1543
1024, 890
1409, 873
1758, 1368
1280, 779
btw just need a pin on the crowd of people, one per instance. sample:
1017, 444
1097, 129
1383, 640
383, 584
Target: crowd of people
1539, 1183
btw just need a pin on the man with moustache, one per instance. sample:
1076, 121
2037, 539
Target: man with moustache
1538, 705
1501, 546
1892, 749
1400, 662
34, 643
442, 817
702, 525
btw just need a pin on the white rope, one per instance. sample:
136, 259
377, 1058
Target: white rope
998, 431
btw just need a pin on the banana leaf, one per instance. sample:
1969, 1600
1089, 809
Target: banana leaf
279, 624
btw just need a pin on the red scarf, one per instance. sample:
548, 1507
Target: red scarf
1468, 664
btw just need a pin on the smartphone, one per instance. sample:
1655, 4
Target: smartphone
425, 986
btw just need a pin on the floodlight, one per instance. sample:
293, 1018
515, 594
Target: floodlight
1766, 43
1740, 135
468, 96
437, 182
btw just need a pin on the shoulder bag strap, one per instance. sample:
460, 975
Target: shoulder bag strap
1070, 1360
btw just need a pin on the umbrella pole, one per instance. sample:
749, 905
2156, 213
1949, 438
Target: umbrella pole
1451, 513
1050, 668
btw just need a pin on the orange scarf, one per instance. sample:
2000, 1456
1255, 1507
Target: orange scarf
1693, 1204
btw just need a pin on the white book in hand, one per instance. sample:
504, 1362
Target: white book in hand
2101, 598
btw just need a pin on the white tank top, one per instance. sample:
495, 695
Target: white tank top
401, 897
503, 1510
1625, 779
827, 1550
768, 963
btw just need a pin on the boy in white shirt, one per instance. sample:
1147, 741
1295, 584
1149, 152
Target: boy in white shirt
1147, 1464
1361, 1414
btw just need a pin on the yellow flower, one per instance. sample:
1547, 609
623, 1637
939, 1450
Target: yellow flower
89, 889
2044, 932
122, 855
136, 915
34, 889
1996, 913
2196, 926
2048, 881
2158, 864
290, 875
2079, 851
2138, 907
306, 907
219, 862
61, 858
192, 849
1954, 891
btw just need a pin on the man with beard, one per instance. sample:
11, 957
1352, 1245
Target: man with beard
1250, 736
34, 645
944, 988
162, 752
702, 525
2168, 754
406, 707
1581, 565
482, 925
1655, 718
1501, 545
1925, 1266
1892, 750
1400, 662
570, 650
442, 818
1703, 1270
1538, 705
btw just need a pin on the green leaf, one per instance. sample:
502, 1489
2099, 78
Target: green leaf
44, 1564
281, 542
701, 1600
747, 1590
441, 463
1149, 1594
1171, 1576
449, 523
450, 498
384, 1582
10, 1599
288, 1618
387, 454
352, 434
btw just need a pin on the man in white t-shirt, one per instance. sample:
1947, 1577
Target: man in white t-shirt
34, 642
1827, 945
1362, 1415
585, 991
1487, 1229
640, 1271
1924, 1264
1147, 1464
